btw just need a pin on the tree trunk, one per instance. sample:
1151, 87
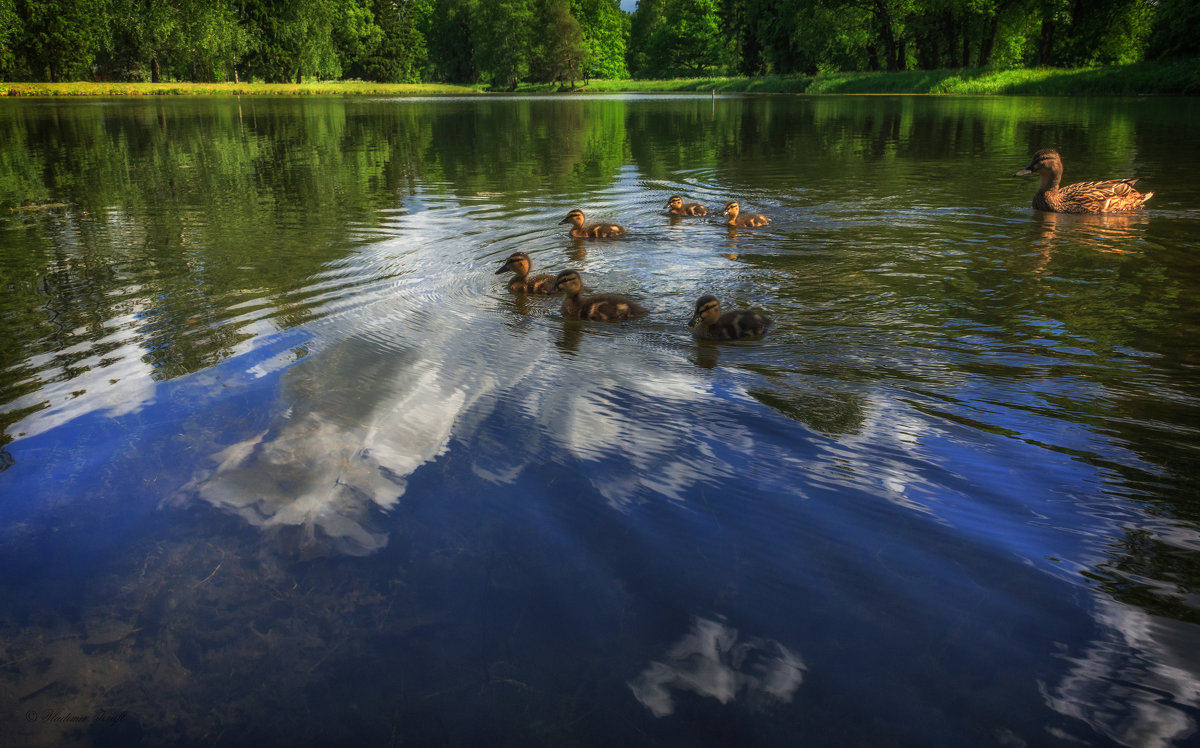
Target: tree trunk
299, 80
1046, 42
951, 47
887, 35
988, 42
155, 71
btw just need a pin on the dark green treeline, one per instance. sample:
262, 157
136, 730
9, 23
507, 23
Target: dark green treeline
507, 42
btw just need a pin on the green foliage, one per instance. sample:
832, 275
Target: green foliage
60, 39
1176, 30
506, 43
448, 32
501, 34
390, 47
605, 33
560, 53
9, 33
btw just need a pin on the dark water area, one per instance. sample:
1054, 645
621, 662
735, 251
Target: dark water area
284, 463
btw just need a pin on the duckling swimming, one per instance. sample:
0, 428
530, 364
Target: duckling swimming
519, 263
594, 230
1108, 196
677, 207
738, 324
604, 307
745, 219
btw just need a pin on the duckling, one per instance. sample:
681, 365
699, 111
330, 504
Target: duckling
1082, 197
519, 263
605, 307
677, 207
747, 219
594, 230
738, 324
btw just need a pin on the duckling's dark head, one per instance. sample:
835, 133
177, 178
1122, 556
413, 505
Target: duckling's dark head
569, 282
575, 216
707, 309
732, 207
675, 202
1045, 159
517, 262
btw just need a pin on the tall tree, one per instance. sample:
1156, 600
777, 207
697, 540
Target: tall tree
605, 30
559, 54
60, 38
501, 36
398, 54
1176, 30
448, 34
10, 32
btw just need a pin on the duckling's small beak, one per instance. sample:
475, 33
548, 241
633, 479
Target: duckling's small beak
692, 321
503, 268
565, 220
1023, 172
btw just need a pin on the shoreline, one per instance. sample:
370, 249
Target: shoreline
1175, 78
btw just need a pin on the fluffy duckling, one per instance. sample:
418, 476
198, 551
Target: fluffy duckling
605, 307
738, 324
519, 263
1108, 196
744, 219
677, 207
594, 230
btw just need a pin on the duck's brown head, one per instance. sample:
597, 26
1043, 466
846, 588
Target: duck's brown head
675, 202
575, 217
1046, 159
731, 209
517, 262
569, 282
707, 309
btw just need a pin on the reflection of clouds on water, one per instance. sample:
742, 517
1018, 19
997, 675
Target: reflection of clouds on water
361, 422
115, 380
638, 424
1123, 687
710, 661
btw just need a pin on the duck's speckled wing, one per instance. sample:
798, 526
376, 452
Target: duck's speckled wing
603, 230
1109, 196
610, 308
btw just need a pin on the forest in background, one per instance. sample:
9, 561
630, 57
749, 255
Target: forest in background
504, 43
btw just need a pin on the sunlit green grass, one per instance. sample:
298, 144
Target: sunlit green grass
1179, 77
327, 88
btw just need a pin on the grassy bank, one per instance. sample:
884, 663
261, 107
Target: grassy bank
1155, 78
1169, 78
322, 88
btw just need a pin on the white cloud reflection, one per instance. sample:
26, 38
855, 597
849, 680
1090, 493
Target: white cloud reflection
361, 421
115, 381
1123, 687
710, 661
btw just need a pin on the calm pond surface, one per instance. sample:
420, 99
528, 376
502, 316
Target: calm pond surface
284, 463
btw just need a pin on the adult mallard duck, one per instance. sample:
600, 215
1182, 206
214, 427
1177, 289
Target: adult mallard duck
519, 263
604, 307
592, 231
737, 218
738, 324
677, 207
1109, 196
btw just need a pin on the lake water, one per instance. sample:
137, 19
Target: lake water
284, 463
